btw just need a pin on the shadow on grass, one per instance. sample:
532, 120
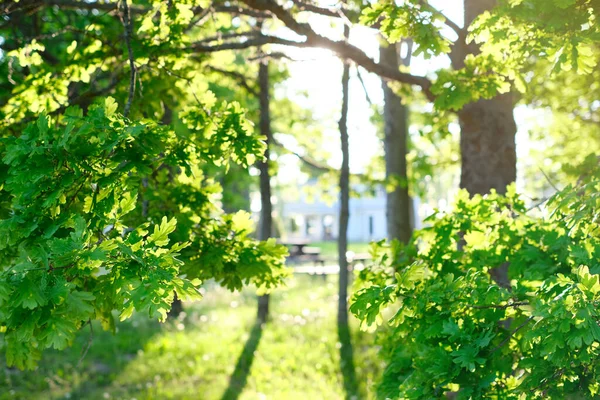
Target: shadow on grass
79, 370
239, 378
110, 353
347, 363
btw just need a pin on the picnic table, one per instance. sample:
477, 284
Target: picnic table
296, 247
301, 251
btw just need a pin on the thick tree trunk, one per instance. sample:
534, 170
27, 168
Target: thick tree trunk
487, 145
344, 198
395, 115
488, 130
266, 211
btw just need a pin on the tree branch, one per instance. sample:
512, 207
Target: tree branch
447, 21
309, 162
127, 25
328, 12
511, 335
75, 5
503, 306
362, 82
229, 35
342, 48
238, 77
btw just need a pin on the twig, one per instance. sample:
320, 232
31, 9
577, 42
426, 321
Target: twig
306, 160
362, 82
548, 179
128, 30
276, 55
89, 344
239, 77
511, 335
509, 305
447, 21
538, 204
50, 268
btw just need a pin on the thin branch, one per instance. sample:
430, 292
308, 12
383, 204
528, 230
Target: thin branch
328, 12
362, 82
49, 269
447, 21
495, 349
503, 306
548, 179
128, 30
538, 204
200, 47
75, 5
306, 160
238, 77
342, 48
237, 10
276, 55
231, 35
89, 344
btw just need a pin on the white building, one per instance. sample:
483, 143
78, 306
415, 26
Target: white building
318, 221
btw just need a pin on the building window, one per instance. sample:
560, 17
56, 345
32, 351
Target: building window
371, 225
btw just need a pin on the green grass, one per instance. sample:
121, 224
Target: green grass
329, 249
215, 351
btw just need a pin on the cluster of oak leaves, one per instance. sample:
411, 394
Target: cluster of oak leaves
75, 235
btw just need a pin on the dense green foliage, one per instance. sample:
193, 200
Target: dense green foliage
89, 204
104, 215
456, 327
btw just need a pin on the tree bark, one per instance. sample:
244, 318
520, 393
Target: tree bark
487, 145
266, 211
488, 128
344, 197
395, 115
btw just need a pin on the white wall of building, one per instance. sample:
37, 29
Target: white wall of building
318, 220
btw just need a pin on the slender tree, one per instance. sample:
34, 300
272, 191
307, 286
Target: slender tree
344, 197
346, 351
266, 211
395, 115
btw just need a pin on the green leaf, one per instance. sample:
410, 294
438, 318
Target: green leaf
160, 236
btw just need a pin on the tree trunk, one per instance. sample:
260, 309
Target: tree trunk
395, 115
487, 145
488, 129
266, 211
344, 198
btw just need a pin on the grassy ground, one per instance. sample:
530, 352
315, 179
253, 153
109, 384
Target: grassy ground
329, 249
214, 352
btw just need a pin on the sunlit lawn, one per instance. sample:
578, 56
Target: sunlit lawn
295, 356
